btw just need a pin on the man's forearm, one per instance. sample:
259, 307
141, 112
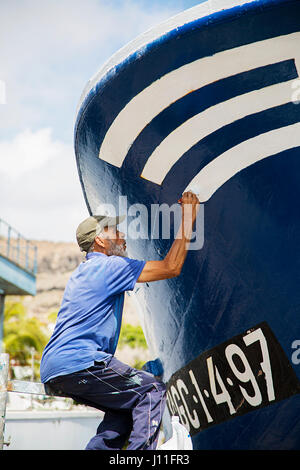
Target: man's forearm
178, 251
172, 264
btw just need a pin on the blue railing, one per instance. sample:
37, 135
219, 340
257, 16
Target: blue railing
16, 248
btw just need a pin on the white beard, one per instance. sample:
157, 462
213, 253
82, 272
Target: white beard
116, 250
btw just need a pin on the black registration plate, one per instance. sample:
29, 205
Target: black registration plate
247, 372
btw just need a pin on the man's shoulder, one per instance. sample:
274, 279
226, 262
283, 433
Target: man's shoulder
121, 261
87, 265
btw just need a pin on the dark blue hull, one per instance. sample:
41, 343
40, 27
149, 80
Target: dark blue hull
246, 277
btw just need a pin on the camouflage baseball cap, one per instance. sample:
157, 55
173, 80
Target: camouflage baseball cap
88, 230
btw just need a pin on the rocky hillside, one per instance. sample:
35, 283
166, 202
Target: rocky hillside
56, 261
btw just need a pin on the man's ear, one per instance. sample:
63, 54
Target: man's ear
99, 241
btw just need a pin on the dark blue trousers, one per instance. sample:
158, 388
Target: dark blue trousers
133, 402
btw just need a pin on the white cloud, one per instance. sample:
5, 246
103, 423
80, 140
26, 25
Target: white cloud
28, 151
49, 50
40, 192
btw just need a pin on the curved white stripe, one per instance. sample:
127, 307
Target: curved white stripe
224, 167
201, 125
202, 10
174, 85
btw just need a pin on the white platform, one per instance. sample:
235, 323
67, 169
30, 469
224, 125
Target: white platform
50, 430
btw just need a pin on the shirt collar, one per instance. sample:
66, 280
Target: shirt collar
94, 254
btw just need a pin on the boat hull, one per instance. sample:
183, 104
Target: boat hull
210, 101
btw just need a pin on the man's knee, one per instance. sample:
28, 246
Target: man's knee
161, 387
149, 379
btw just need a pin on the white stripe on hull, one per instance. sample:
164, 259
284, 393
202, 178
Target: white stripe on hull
163, 92
201, 125
225, 166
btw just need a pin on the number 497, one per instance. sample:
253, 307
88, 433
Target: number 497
246, 375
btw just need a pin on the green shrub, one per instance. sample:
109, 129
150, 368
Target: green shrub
21, 334
133, 336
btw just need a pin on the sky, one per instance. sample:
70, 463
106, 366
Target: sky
49, 49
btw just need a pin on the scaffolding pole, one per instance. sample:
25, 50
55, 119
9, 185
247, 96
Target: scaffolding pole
4, 362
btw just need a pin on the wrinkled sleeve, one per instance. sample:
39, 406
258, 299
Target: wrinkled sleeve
122, 273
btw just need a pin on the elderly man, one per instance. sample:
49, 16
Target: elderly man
79, 359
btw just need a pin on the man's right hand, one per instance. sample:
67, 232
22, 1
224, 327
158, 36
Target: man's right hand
172, 264
189, 198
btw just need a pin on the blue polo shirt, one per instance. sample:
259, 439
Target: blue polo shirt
89, 320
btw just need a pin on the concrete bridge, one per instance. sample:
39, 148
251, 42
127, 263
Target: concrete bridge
18, 267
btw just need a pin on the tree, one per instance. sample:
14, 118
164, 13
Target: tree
22, 333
